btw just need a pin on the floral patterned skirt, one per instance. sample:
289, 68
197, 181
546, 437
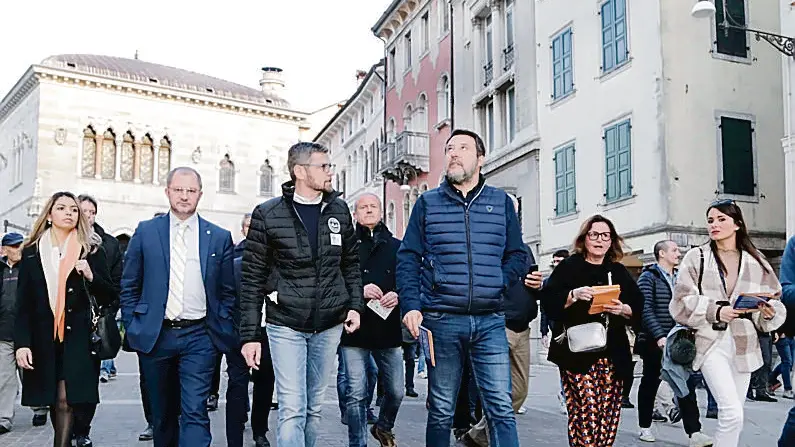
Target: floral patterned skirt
593, 401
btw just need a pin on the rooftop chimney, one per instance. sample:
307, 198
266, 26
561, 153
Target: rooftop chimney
272, 80
360, 75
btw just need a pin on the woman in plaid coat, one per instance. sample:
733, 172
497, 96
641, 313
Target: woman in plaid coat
711, 278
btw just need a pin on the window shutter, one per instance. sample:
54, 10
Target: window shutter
608, 38
738, 156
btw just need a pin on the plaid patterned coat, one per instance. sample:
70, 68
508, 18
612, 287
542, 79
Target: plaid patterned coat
698, 311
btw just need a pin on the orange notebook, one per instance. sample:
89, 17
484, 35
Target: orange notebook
603, 295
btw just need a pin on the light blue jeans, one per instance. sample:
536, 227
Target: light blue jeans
303, 364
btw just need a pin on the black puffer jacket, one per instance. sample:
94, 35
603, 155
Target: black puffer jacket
657, 320
114, 257
312, 294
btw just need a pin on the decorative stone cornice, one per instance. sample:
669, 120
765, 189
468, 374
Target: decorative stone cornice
38, 73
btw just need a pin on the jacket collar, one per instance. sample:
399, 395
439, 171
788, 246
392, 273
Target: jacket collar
452, 191
380, 232
288, 193
99, 230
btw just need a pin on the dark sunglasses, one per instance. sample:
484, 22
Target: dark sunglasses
722, 202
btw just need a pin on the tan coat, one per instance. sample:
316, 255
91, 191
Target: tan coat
699, 311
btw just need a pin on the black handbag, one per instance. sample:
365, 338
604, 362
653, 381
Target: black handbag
683, 345
105, 335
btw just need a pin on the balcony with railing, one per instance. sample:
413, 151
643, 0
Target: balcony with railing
507, 55
488, 73
410, 150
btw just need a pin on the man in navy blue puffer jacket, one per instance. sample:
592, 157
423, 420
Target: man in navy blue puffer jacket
461, 251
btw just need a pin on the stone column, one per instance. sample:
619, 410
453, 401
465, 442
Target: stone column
119, 144
500, 131
156, 161
497, 36
477, 40
137, 161
100, 138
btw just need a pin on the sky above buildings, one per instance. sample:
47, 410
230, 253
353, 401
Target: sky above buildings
319, 43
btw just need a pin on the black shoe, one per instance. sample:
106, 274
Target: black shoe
712, 414
344, 419
274, 405
148, 434
762, 396
83, 441
212, 403
4, 430
466, 441
385, 438
411, 393
674, 415
371, 417
261, 441
39, 420
625, 403
657, 417
458, 433
750, 396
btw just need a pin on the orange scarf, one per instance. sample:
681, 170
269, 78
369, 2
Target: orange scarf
68, 260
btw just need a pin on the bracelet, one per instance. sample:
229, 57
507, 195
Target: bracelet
574, 299
717, 314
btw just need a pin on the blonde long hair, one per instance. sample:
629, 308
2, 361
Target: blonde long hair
89, 240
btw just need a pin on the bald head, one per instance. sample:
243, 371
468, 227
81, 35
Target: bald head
367, 210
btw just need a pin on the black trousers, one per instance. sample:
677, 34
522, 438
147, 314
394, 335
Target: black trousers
688, 406
216, 384
264, 382
760, 377
409, 351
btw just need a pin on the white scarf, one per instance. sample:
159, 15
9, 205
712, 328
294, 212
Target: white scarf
50, 262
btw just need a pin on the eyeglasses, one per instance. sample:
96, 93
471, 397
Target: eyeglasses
188, 191
326, 167
594, 236
722, 202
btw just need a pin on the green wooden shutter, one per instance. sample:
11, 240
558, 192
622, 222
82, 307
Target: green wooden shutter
738, 156
571, 190
624, 160
560, 183
611, 163
731, 41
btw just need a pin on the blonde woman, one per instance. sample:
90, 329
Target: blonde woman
711, 278
62, 263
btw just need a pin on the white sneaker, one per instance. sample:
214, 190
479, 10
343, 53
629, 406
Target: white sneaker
699, 439
562, 401
788, 394
646, 435
423, 375
522, 410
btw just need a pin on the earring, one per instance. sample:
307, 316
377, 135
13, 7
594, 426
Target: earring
49, 222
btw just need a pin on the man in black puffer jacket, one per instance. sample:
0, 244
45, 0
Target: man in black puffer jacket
302, 246
657, 285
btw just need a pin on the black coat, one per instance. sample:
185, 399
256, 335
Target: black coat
34, 330
377, 258
520, 303
657, 319
575, 272
314, 293
113, 256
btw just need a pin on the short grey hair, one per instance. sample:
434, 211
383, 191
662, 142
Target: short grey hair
183, 170
367, 194
299, 154
243, 221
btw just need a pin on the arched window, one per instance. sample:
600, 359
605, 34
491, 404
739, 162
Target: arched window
163, 160
343, 182
420, 120
407, 114
108, 165
443, 92
147, 159
127, 171
266, 179
390, 131
355, 174
226, 175
366, 165
374, 159
88, 163
390, 216
406, 210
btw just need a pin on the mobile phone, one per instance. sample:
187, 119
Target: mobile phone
533, 268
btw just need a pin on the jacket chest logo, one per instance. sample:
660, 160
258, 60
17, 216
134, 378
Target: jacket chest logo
489, 208
334, 225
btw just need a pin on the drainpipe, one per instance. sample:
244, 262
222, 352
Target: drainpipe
383, 127
452, 70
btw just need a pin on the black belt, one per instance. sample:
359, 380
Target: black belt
179, 324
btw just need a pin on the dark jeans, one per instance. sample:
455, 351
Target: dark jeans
688, 406
788, 433
481, 340
236, 398
264, 382
786, 351
342, 382
760, 377
216, 383
468, 410
628, 385
409, 353
390, 376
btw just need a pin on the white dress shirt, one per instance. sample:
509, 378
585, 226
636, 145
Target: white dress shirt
194, 304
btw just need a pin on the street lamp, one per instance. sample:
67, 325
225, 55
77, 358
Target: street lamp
706, 9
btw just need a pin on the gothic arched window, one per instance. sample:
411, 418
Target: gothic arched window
108, 165
390, 216
88, 163
266, 179
127, 171
147, 168
163, 160
226, 175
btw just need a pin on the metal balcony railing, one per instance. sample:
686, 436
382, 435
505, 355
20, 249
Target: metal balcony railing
488, 73
507, 55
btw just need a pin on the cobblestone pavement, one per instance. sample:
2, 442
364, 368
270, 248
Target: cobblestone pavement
120, 418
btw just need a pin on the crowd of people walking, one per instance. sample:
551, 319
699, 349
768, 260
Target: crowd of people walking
312, 282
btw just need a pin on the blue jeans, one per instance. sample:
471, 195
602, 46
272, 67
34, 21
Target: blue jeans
390, 376
302, 363
788, 433
786, 351
342, 382
480, 340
